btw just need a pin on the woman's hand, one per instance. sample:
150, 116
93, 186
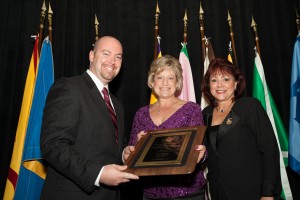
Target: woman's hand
201, 149
127, 151
141, 134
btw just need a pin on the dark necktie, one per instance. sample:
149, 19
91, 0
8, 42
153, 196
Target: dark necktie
111, 111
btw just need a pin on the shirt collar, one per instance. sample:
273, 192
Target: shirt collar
98, 83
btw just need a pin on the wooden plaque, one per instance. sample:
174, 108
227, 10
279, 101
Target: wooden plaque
166, 152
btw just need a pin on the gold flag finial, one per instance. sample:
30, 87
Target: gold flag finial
229, 17
44, 8
50, 13
96, 28
157, 12
201, 10
157, 8
202, 33
42, 20
185, 22
232, 39
185, 19
96, 20
254, 26
201, 17
50, 10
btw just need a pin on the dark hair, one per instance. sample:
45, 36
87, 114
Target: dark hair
223, 66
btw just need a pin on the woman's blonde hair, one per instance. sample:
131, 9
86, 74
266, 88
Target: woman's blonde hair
160, 64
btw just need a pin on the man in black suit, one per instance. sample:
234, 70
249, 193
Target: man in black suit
79, 139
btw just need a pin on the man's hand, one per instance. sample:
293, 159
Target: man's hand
114, 175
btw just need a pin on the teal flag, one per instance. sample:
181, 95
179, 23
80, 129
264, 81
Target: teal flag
294, 135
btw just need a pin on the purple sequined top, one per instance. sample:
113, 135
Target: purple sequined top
158, 187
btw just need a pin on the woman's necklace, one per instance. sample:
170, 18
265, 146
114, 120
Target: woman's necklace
223, 110
158, 109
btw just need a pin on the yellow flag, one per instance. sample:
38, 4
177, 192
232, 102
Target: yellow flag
153, 99
22, 126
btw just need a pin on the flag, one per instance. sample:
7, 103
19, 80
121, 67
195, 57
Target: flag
205, 67
209, 54
30, 173
262, 93
33, 171
16, 159
188, 91
153, 99
229, 57
294, 135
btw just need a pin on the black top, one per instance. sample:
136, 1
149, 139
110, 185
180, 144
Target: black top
244, 156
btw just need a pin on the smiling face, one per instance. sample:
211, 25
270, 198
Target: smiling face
222, 86
164, 84
106, 59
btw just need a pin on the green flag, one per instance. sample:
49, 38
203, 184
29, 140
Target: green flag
262, 93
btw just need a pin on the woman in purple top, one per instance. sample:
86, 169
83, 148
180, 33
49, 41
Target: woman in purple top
165, 80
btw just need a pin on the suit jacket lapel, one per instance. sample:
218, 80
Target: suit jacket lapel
95, 93
210, 139
229, 122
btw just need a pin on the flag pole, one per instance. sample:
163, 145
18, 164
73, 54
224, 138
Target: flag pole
50, 13
187, 92
205, 42
42, 20
235, 62
297, 21
153, 98
185, 21
201, 20
96, 28
254, 26
157, 12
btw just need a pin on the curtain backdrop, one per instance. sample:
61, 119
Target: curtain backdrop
132, 22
